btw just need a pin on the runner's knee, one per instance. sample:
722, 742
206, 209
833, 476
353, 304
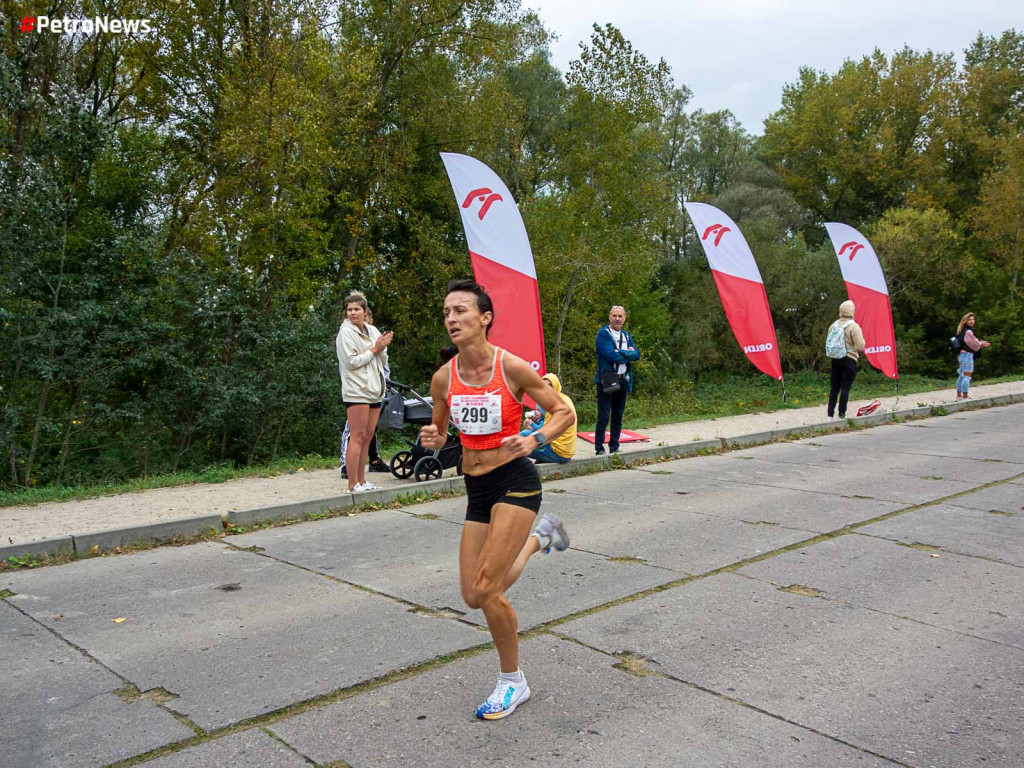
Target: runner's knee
486, 588
469, 597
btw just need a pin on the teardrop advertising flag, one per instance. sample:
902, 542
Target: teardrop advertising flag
500, 253
865, 284
739, 286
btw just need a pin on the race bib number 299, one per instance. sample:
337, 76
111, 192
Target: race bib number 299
477, 414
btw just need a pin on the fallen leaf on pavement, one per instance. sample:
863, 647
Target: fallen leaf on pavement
57, 616
120, 620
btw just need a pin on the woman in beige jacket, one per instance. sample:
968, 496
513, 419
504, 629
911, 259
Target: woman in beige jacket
844, 370
362, 354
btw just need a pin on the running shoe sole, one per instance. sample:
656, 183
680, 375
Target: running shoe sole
506, 712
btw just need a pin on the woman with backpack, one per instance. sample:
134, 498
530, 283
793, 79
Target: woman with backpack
970, 346
844, 343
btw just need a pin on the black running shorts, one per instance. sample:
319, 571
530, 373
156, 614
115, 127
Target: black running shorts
516, 483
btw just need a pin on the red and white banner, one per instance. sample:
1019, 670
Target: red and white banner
502, 260
739, 286
866, 286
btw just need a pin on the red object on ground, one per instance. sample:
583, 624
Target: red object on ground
868, 409
627, 436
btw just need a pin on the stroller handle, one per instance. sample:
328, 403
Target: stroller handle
409, 390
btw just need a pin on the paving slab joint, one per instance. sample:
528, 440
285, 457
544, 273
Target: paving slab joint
636, 664
801, 589
438, 613
130, 693
290, 748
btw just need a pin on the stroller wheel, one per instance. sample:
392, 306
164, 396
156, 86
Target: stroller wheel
428, 468
402, 465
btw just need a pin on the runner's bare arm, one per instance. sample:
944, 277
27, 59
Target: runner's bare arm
522, 378
434, 435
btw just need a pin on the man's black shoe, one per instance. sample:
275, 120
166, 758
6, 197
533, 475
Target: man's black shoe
344, 473
379, 466
599, 451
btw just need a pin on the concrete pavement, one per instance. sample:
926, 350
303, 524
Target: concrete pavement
843, 600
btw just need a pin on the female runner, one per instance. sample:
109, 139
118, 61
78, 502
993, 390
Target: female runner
482, 389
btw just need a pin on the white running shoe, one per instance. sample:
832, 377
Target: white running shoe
551, 533
358, 487
368, 486
506, 697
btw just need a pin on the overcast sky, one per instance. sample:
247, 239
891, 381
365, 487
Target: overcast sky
738, 54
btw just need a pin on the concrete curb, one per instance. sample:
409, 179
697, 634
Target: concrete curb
743, 441
62, 545
186, 527
297, 510
190, 526
300, 510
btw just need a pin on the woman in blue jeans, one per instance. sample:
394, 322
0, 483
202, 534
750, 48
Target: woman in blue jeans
970, 345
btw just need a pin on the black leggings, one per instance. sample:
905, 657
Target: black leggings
844, 371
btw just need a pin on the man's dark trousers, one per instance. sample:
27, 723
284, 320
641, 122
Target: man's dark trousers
614, 406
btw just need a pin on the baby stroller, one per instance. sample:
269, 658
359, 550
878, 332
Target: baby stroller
418, 462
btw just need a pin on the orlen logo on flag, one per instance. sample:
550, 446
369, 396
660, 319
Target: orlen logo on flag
486, 197
854, 246
718, 230
767, 347
94, 25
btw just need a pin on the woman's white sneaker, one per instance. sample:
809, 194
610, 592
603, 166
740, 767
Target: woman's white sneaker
507, 695
551, 533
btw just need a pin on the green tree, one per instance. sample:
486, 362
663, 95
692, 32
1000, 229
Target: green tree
590, 225
998, 218
927, 271
850, 145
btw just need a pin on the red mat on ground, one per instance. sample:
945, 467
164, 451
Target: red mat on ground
627, 436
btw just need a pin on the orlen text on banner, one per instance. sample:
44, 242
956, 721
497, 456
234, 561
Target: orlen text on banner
500, 253
865, 284
739, 286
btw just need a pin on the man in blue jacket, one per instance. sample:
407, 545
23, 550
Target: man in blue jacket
615, 351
